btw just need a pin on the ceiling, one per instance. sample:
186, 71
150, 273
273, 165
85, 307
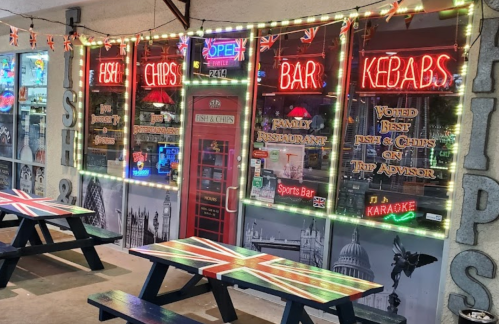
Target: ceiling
30, 6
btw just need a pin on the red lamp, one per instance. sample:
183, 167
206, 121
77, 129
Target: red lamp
159, 98
299, 113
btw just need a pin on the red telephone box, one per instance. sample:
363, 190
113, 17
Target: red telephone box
209, 199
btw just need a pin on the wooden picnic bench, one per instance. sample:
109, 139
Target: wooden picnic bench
224, 265
32, 211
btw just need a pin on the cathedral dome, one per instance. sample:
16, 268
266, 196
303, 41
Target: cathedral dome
354, 260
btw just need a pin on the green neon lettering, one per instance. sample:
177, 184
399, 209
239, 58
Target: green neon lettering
398, 219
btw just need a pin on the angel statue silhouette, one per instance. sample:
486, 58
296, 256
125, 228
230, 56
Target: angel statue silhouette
406, 261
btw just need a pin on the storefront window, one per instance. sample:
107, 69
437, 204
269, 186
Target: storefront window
399, 120
7, 101
156, 122
106, 104
297, 81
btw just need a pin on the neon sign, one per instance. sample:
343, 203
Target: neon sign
301, 75
111, 73
141, 173
222, 53
391, 208
426, 72
301, 192
401, 218
168, 156
163, 74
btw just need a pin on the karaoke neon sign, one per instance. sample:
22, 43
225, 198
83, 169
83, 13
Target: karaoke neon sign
425, 72
111, 73
163, 74
301, 75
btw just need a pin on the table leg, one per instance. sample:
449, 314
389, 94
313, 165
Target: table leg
223, 300
293, 313
93, 260
305, 318
346, 315
35, 238
153, 282
45, 232
24, 233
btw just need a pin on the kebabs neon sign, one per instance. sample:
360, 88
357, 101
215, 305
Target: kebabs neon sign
425, 72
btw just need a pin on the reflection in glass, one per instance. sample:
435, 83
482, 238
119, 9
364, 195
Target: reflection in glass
7, 100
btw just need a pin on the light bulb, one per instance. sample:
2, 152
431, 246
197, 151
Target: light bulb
158, 104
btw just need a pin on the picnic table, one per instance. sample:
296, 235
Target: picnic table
224, 265
32, 210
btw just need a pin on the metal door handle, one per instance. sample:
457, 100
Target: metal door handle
227, 200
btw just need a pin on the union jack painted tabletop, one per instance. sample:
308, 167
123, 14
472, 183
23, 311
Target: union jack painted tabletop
32, 210
226, 265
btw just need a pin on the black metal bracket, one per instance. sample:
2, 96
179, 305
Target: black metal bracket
185, 19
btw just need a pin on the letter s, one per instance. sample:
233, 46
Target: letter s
459, 271
68, 100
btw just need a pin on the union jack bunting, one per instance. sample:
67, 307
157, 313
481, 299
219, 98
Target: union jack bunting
319, 202
90, 39
107, 44
19, 202
32, 40
74, 36
250, 268
164, 53
266, 42
240, 49
207, 47
50, 42
14, 37
67, 44
309, 35
137, 39
183, 44
122, 46
347, 23
393, 10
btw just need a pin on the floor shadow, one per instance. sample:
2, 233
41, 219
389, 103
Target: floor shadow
78, 258
6, 293
242, 317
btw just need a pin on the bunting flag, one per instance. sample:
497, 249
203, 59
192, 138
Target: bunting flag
32, 40
13, 36
107, 44
164, 53
345, 28
90, 39
393, 10
67, 44
369, 32
207, 47
50, 42
137, 39
309, 35
266, 42
240, 49
74, 36
408, 19
122, 46
183, 44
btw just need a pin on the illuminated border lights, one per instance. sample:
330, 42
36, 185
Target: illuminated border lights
80, 111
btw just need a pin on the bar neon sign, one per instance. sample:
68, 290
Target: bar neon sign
301, 75
163, 74
392, 208
301, 192
426, 72
111, 73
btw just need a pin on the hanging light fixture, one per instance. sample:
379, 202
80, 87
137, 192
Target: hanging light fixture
158, 98
299, 113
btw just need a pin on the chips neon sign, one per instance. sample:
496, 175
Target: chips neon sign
111, 73
300, 75
425, 72
302, 192
391, 208
163, 74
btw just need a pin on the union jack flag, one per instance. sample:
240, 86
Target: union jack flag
208, 42
319, 202
347, 23
67, 44
107, 44
13, 36
75, 35
393, 10
266, 42
19, 202
309, 36
242, 266
122, 47
137, 39
90, 39
50, 42
240, 49
32, 40
183, 44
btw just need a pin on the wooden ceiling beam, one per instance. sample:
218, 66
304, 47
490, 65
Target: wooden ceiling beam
184, 18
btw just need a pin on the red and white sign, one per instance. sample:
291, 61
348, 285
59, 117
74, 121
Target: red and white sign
163, 74
259, 154
392, 208
396, 72
301, 76
111, 73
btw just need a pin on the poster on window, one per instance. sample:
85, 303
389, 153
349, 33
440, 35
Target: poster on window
407, 266
151, 216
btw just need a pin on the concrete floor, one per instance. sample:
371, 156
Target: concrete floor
53, 289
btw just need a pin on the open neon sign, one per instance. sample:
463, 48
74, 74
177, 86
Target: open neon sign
301, 75
110, 73
391, 208
222, 53
163, 74
425, 72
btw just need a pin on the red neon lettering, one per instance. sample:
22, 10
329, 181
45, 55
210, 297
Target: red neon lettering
300, 76
162, 74
444, 71
410, 68
368, 71
381, 72
426, 67
386, 209
139, 157
110, 73
302, 192
391, 70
